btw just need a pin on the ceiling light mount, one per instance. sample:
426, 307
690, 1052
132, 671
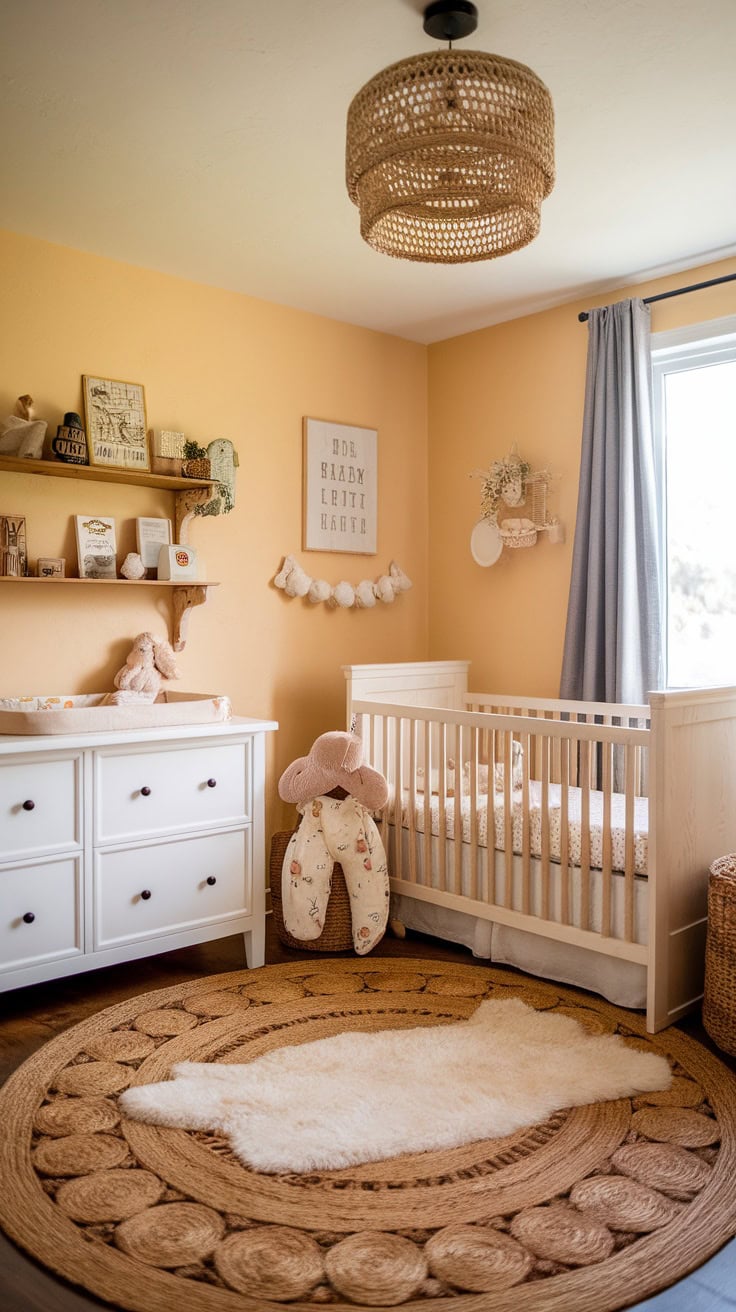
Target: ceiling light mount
450, 154
450, 20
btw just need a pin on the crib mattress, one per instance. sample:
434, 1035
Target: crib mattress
574, 814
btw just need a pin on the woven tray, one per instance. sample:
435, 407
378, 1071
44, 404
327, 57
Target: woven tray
337, 934
719, 999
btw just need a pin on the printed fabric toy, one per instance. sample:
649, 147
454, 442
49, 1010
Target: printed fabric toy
335, 795
139, 679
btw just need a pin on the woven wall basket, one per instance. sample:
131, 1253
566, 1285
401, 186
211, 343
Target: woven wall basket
337, 935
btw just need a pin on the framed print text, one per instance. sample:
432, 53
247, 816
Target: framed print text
340, 487
116, 423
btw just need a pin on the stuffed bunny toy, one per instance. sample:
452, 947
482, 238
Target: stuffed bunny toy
335, 795
140, 677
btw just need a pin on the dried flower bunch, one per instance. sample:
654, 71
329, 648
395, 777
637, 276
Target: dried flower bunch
505, 482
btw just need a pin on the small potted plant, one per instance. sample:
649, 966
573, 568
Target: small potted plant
196, 462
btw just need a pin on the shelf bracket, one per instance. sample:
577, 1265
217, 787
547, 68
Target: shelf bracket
184, 599
185, 509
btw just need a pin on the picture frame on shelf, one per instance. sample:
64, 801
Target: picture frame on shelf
340, 487
151, 535
167, 452
13, 549
51, 567
115, 416
96, 547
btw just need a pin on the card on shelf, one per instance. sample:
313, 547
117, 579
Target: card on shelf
178, 563
151, 535
96, 547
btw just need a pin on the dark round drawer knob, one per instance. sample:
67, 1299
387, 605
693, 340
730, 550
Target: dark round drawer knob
29, 805
145, 791
145, 894
211, 879
211, 783
29, 918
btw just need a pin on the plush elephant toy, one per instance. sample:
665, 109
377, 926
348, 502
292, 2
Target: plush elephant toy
335, 795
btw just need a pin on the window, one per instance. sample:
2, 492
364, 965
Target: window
694, 393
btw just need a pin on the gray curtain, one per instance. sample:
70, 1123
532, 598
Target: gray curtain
613, 637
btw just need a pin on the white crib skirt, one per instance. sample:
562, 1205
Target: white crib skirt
622, 982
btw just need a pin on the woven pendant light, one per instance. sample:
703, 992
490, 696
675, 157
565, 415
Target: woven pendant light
450, 154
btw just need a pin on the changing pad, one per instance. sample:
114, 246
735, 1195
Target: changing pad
92, 712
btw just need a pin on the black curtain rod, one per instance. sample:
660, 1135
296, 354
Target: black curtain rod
679, 291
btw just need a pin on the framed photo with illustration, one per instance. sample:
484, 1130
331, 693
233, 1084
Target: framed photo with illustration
340, 487
115, 414
13, 551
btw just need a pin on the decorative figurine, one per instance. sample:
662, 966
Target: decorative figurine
223, 462
70, 443
21, 434
132, 567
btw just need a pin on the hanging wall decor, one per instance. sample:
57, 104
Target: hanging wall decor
511, 482
297, 583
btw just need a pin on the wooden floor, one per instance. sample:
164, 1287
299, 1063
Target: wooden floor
30, 1017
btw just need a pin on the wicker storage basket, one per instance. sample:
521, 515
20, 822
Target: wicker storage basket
517, 532
337, 934
199, 467
719, 1000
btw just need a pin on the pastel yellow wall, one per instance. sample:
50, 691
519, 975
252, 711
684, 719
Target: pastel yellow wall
520, 382
214, 364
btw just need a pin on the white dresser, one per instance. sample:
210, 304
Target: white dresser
120, 845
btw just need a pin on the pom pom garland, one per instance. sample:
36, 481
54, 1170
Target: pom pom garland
295, 582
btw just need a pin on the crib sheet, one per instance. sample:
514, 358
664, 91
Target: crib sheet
574, 812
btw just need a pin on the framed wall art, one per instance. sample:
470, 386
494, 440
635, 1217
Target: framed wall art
115, 414
340, 487
13, 552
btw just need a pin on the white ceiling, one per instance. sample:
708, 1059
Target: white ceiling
205, 138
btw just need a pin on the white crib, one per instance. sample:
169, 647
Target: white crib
581, 853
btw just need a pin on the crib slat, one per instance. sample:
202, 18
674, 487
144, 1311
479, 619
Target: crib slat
508, 821
585, 834
544, 754
427, 872
526, 901
565, 831
442, 804
473, 801
607, 782
412, 872
629, 775
457, 852
399, 786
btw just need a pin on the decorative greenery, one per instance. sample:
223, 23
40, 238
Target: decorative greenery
500, 480
193, 450
220, 504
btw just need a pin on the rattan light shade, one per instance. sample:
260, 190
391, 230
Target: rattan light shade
450, 155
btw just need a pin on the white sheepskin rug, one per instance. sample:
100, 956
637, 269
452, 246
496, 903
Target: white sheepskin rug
360, 1097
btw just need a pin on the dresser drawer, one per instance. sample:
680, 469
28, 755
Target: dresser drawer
168, 886
40, 912
40, 806
149, 792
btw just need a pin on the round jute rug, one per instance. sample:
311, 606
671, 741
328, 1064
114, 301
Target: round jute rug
592, 1210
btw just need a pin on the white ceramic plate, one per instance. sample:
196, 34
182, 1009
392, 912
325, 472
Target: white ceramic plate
486, 543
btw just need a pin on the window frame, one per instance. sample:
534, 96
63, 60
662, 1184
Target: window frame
680, 350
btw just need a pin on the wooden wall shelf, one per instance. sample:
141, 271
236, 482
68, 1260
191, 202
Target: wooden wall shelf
189, 493
101, 474
124, 583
